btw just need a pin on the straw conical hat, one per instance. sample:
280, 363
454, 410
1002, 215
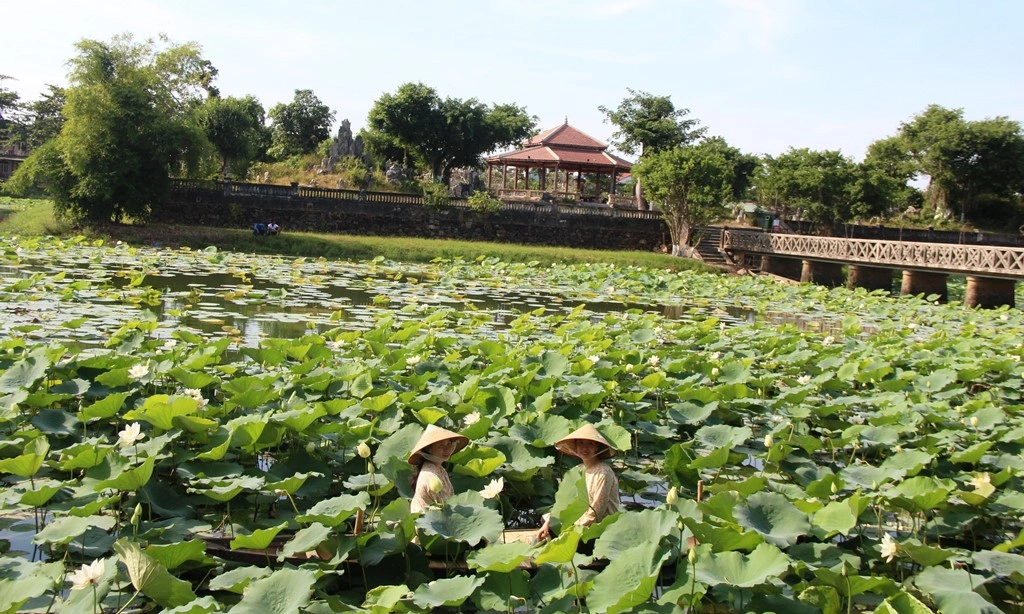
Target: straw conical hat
567, 444
432, 435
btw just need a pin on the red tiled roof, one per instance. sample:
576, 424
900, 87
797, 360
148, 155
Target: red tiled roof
563, 145
566, 136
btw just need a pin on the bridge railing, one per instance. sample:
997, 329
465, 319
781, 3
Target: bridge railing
990, 260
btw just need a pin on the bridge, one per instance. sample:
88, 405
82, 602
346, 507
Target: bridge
991, 270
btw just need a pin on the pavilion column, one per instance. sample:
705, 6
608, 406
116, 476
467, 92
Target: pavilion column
516, 184
504, 176
490, 174
543, 179
870, 278
920, 282
829, 274
579, 185
989, 292
611, 183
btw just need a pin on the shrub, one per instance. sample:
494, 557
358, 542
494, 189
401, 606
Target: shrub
483, 202
434, 194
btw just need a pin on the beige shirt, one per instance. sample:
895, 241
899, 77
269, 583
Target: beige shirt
602, 493
423, 498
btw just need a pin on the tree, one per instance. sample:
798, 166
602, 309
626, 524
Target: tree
10, 121
647, 124
45, 117
236, 128
299, 126
964, 160
418, 127
128, 128
823, 185
691, 185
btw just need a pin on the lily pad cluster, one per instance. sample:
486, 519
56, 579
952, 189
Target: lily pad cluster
864, 455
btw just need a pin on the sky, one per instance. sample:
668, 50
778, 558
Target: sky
766, 75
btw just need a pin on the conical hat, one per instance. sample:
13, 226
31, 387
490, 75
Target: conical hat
432, 435
567, 444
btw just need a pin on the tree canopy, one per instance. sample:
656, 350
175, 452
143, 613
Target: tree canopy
299, 126
418, 127
236, 128
693, 184
129, 126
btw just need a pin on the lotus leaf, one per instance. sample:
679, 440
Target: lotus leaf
500, 590
24, 374
542, 431
24, 580
902, 603
307, 539
27, 464
1002, 564
177, 554
464, 523
631, 528
258, 539
774, 517
629, 579
501, 557
735, 569
237, 579
202, 605
160, 410
282, 592
132, 479
850, 584
151, 578
955, 591
335, 511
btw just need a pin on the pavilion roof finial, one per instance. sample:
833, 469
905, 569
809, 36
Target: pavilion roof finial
566, 120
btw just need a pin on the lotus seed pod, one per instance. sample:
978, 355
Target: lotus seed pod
363, 450
672, 496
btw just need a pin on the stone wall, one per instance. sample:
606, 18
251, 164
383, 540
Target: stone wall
371, 214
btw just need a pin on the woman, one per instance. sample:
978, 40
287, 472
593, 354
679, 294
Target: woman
429, 479
589, 446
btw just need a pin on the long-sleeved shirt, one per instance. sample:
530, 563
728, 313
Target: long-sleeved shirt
424, 497
602, 494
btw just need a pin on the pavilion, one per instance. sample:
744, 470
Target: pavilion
568, 152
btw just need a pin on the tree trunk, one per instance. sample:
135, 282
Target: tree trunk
638, 192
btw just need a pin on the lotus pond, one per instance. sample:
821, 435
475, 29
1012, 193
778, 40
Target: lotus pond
872, 465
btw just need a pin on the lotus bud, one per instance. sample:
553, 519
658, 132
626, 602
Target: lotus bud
974, 421
691, 556
369, 467
363, 450
835, 488
672, 496
136, 515
310, 447
768, 440
434, 484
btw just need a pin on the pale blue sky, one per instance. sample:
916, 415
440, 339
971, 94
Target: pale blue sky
764, 74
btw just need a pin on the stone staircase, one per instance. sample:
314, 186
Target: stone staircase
710, 245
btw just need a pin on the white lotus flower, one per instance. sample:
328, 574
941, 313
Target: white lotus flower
594, 358
768, 440
363, 450
196, 394
493, 489
827, 341
629, 368
715, 355
472, 418
88, 575
715, 372
889, 548
169, 344
653, 361
981, 480
130, 435
138, 371
803, 380
672, 496
412, 361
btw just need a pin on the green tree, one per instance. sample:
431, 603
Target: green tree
691, 186
647, 124
45, 117
128, 128
965, 161
236, 127
822, 185
299, 126
10, 120
418, 127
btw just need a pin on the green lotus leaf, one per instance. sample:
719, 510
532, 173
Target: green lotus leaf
824, 598
735, 569
631, 528
774, 517
24, 374
643, 335
852, 584
106, 407
921, 493
202, 605
398, 444
27, 464
151, 578
560, 549
926, 556
299, 420
722, 435
501, 589
24, 580
734, 372
629, 579
935, 381
465, 523
711, 460
42, 493
291, 483
902, 603
1002, 564
226, 490
500, 557
446, 592
258, 539
867, 476
386, 599
283, 592
839, 516
221, 440
691, 413
955, 591
194, 424
132, 479
177, 554
880, 435
361, 386
307, 539
335, 511
477, 461
191, 379
250, 392
160, 410
236, 580
543, 431
571, 497
908, 462
972, 454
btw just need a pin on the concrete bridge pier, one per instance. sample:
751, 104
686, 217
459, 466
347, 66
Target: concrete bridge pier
989, 292
870, 278
829, 274
921, 282
790, 268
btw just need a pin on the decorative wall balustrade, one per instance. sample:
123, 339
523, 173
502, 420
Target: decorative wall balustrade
981, 260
